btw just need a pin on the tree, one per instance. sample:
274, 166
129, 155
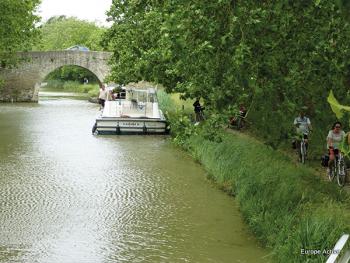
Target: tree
72, 73
280, 55
62, 32
17, 27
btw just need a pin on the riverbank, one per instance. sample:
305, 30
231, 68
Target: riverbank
287, 206
73, 86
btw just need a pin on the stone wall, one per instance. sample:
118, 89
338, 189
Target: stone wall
23, 81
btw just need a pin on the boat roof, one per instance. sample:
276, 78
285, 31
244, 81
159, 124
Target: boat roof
148, 90
145, 90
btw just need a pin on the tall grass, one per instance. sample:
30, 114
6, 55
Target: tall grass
287, 207
73, 86
166, 103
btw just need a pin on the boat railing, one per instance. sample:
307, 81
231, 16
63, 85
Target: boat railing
339, 246
137, 108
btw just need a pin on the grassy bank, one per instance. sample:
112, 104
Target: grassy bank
73, 86
287, 206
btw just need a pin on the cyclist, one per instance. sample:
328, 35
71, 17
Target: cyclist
334, 140
241, 115
303, 128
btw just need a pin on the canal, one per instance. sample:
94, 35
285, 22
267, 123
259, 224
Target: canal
69, 196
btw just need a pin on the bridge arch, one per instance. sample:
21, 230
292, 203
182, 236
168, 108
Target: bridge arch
22, 82
87, 72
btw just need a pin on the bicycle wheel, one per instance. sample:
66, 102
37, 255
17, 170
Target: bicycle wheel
341, 174
239, 123
302, 152
331, 172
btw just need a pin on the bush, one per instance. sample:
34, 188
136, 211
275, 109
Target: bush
73, 86
54, 84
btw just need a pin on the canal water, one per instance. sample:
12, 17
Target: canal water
69, 196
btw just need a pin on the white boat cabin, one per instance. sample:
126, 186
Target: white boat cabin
133, 103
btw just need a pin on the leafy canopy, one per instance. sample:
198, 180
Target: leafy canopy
61, 32
17, 27
275, 56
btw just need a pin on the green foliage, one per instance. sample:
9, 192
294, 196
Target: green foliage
72, 73
94, 91
1, 84
181, 126
212, 128
287, 207
73, 86
17, 28
59, 33
55, 84
165, 102
274, 56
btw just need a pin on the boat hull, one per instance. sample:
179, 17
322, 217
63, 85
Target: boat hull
114, 125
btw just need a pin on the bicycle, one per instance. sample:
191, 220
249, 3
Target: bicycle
238, 122
338, 169
302, 149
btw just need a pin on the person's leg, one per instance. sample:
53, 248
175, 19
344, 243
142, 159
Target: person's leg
306, 140
242, 124
332, 161
197, 116
336, 155
298, 145
201, 116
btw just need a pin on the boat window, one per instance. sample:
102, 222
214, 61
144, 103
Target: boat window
141, 95
119, 95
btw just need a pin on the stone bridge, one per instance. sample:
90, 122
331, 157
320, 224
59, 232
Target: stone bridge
22, 82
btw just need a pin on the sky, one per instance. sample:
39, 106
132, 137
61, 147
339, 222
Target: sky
91, 10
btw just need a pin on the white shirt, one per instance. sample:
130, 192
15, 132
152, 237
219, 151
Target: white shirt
336, 138
103, 94
303, 124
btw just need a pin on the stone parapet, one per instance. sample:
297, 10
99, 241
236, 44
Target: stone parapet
22, 82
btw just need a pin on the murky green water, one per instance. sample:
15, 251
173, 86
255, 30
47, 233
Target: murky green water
69, 196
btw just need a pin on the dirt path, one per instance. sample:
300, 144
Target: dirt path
315, 165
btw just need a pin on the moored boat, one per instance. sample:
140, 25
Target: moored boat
133, 111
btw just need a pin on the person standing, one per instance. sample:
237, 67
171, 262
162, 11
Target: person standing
198, 110
102, 96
